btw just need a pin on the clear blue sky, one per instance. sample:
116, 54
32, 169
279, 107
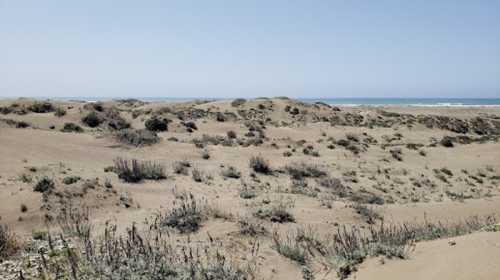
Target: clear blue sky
250, 48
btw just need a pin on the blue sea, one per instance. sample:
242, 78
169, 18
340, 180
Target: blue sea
422, 102
417, 102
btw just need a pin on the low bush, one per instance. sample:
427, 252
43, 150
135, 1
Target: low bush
368, 213
8, 242
231, 172
205, 154
59, 112
335, 185
238, 102
135, 171
157, 124
251, 227
137, 138
447, 142
303, 170
45, 184
396, 153
197, 175
92, 119
276, 213
72, 127
289, 247
71, 180
231, 134
181, 167
41, 107
186, 216
260, 165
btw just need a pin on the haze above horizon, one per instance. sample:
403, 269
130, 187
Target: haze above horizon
223, 49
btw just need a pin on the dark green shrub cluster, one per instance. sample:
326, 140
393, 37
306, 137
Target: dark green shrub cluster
45, 184
157, 124
92, 119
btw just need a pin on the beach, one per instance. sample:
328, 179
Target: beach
272, 182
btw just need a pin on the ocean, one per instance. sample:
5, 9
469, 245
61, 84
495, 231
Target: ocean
417, 102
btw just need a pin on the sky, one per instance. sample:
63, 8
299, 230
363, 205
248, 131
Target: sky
251, 48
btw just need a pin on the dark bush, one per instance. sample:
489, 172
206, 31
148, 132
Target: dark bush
72, 127
44, 184
231, 134
190, 125
447, 141
41, 107
92, 119
157, 124
260, 165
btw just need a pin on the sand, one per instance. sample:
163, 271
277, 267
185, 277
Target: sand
413, 189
